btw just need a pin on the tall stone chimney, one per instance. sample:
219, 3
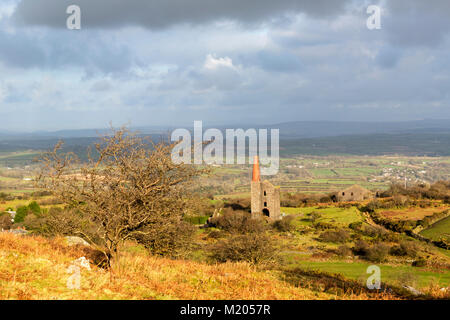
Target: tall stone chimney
256, 172
265, 198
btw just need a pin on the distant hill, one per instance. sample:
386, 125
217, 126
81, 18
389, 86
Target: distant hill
411, 144
288, 130
424, 137
316, 129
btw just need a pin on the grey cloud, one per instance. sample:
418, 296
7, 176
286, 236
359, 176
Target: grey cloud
165, 13
388, 57
102, 85
418, 22
274, 61
56, 50
20, 51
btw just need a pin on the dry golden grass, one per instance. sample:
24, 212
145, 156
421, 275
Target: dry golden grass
35, 268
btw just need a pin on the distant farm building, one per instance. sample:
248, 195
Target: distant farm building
354, 193
265, 198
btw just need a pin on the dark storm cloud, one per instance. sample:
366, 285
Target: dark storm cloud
158, 14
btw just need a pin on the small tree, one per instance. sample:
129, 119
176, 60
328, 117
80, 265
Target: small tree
5, 221
35, 208
21, 213
127, 190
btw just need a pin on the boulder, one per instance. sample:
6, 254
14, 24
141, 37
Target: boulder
73, 241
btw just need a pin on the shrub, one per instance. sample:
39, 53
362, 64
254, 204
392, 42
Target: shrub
405, 248
355, 225
254, 248
215, 234
338, 236
285, 224
326, 199
343, 251
34, 208
377, 253
238, 222
419, 263
5, 222
197, 219
239, 204
361, 247
345, 205
21, 213
372, 231
323, 226
168, 239
49, 202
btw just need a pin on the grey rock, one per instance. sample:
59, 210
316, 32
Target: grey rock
72, 241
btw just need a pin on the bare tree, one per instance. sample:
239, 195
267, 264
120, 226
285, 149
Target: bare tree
129, 188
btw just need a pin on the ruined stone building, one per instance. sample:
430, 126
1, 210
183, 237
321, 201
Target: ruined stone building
354, 193
265, 198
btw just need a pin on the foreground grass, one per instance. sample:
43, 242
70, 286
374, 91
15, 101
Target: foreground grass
35, 268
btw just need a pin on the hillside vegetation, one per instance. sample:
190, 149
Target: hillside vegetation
35, 268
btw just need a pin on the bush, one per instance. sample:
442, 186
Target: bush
34, 208
377, 253
323, 226
355, 225
361, 247
285, 224
343, 251
326, 199
420, 263
168, 239
239, 204
405, 248
21, 213
197, 219
254, 248
338, 236
5, 222
216, 234
238, 222
374, 232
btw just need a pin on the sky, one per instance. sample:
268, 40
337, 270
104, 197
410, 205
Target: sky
253, 62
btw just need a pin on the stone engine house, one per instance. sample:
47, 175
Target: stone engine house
265, 198
354, 193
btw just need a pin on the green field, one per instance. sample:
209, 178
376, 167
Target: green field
438, 230
338, 216
391, 274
